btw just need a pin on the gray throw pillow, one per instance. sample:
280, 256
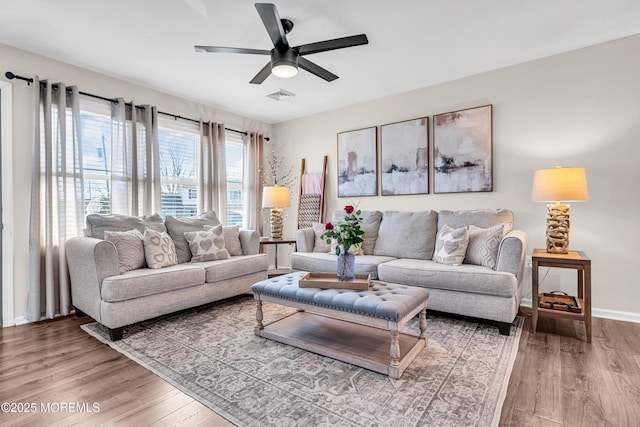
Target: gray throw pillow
451, 245
483, 245
159, 250
231, 239
370, 224
129, 247
407, 234
178, 226
320, 244
207, 245
97, 224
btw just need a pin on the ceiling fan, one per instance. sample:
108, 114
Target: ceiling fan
285, 59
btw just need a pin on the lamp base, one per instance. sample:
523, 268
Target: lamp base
276, 223
558, 229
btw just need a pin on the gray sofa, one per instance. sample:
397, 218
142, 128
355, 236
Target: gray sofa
399, 248
117, 299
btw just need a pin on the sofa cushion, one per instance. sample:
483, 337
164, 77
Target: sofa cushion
465, 278
145, 281
159, 250
232, 240
178, 226
309, 261
483, 245
207, 245
451, 245
483, 218
225, 269
370, 224
129, 247
320, 244
407, 235
97, 224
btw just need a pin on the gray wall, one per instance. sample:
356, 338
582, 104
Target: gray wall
580, 108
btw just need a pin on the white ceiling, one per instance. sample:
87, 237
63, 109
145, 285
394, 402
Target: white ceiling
412, 43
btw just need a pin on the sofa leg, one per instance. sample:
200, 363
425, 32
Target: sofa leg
80, 313
115, 334
504, 328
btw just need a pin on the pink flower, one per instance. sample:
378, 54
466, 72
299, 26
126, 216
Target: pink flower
328, 226
348, 209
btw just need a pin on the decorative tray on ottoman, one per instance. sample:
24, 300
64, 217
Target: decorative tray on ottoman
330, 281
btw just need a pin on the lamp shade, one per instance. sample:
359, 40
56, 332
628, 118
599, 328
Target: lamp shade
275, 197
560, 184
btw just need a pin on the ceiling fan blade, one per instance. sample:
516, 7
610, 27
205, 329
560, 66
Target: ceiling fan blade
262, 74
333, 44
231, 50
272, 23
305, 64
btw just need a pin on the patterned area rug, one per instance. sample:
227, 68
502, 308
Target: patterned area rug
211, 354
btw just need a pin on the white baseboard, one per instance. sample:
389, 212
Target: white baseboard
20, 321
624, 316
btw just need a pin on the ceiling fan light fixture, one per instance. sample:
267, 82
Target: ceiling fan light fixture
284, 70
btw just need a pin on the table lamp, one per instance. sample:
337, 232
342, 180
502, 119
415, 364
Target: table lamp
559, 185
276, 197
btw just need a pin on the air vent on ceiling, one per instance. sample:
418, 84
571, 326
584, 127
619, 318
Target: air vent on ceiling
281, 95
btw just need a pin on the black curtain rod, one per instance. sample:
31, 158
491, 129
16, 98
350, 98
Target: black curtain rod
29, 80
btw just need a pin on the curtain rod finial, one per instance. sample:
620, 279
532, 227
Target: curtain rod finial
10, 75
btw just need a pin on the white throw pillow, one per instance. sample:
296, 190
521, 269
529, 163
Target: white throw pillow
483, 245
129, 247
159, 249
451, 245
320, 244
207, 245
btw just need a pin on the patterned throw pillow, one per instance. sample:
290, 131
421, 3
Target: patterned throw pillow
483, 245
320, 244
159, 249
451, 245
129, 247
207, 245
231, 239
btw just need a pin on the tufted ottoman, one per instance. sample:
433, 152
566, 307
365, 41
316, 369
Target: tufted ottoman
357, 327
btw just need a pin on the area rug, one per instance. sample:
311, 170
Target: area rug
212, 354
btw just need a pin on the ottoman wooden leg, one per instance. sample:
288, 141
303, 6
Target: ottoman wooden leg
259, 316
423, 325
394, 366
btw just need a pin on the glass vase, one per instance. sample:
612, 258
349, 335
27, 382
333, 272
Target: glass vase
346, 266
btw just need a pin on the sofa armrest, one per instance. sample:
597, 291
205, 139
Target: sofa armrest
250, 241
305, 240
90, 261
511, 253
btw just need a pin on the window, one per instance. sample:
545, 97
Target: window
95, 130
178, 146
235, 152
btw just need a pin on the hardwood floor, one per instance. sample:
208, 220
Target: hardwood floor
557, 378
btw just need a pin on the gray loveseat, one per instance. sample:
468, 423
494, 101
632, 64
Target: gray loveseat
399, 247
116, 299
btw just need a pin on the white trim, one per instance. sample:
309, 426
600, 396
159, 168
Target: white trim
21, 321
7, 203
624, 316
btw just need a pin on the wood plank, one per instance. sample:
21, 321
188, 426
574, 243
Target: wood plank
353, 343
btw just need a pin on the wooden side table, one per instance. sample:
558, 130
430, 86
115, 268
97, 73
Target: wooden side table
576, 260
269, 241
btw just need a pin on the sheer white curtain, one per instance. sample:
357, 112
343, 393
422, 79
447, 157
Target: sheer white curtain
252, 215
57, 207
135, 159
212, 171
